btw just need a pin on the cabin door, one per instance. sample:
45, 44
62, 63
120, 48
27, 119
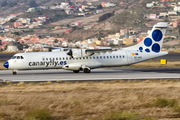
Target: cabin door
129, 57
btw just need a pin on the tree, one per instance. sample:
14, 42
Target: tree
105, 16
32, 3
16, 33
99, 7
12, 20
56, 41
4, 3
12, 4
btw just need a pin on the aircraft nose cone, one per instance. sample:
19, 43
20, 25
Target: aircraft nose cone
6, 65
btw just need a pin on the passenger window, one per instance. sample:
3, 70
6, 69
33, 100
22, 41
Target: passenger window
56, 58
116, 56
63, 58
22, 57
97, 57
46, 58
104, 57
119, 56
93, 57
66, 58
123, 56
100, 57
107, 57
18, 57
110, 56
86, 57
59, 58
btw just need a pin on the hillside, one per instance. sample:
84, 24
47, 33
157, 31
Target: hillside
130, 16
133, 17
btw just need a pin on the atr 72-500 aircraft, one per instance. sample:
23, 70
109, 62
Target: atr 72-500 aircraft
87, 59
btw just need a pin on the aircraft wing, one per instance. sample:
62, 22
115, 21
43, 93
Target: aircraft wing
98, 50
53, 49
75, 53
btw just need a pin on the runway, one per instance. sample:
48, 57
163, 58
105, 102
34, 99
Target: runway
95, 75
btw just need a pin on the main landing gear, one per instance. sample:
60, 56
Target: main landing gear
86, 70
76, 71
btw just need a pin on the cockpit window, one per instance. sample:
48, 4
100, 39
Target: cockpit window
17, 57
14, 57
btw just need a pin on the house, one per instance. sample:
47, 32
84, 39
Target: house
177, 8
127, 41
153, 16
12, 47
172, 13
18, 24
99, 11
149, 5
175, 23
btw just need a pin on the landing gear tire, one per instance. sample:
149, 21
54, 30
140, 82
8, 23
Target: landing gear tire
87, 70
76, 71
14, 73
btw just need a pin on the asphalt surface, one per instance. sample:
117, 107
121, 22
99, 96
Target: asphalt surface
100, 74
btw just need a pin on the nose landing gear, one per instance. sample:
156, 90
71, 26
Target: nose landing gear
14, 72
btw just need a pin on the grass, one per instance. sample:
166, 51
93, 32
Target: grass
39, 114
163, 102
121, 116
108, 100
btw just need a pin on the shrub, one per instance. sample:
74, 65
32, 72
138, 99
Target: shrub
162, 102
176, 108
38, 114
121, 116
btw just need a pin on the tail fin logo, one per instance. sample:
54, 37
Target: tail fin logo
152, 43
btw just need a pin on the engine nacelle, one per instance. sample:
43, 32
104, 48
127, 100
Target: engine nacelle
72, 67
76, 53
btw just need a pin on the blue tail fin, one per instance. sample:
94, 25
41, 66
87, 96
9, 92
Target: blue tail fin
153, 42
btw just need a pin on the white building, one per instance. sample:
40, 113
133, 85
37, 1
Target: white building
12, 47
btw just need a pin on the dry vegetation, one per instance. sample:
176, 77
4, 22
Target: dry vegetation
111, 100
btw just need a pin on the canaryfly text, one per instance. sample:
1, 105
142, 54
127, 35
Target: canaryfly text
48, 63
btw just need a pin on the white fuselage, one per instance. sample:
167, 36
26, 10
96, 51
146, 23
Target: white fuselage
57, 60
